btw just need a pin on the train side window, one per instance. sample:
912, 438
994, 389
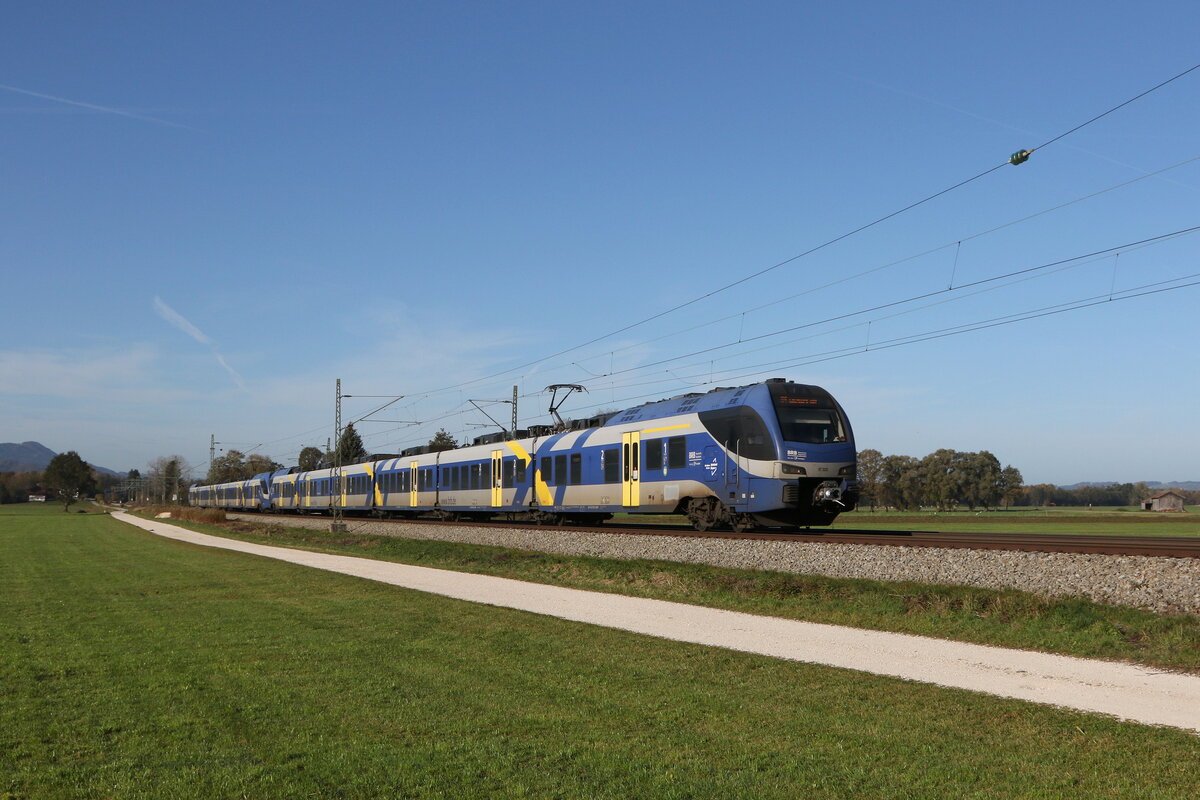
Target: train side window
485, 477
560, 470
610, 465
576, 469
509, 472
654, 455
520, 476
676, 452
548, 471
741, 430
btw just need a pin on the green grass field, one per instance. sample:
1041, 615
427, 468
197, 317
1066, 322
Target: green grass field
135, 667
1008, 618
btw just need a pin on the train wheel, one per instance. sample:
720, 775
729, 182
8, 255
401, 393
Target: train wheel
704, 513
742, 523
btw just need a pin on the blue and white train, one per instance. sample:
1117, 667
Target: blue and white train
772, 454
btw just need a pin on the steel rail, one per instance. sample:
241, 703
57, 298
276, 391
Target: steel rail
1084, 543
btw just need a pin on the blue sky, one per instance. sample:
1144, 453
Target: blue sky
210, 213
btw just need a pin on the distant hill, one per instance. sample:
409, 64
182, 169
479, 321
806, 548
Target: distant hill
1190, 486
32, 457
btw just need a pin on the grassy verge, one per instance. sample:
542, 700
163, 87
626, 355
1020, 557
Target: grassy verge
1007, 618
136, 667
1100, 521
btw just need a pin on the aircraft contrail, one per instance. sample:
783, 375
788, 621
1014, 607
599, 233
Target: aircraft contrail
103, 109
177, 320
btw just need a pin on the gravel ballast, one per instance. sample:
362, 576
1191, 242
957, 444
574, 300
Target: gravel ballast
1167, 585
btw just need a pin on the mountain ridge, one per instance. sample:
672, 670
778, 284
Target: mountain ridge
34, 457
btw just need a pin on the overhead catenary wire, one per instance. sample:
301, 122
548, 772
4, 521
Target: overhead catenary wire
832, 241
846, 235
756, 370
888, 265
914, 298
810, 251
1023, 273
855, 350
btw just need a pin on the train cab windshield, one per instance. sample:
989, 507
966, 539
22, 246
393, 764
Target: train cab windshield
811, 425
808, 417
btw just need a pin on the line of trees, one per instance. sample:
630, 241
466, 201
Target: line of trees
234, 465
943, 479
1117, 494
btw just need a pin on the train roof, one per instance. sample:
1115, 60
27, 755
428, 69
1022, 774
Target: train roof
720, 397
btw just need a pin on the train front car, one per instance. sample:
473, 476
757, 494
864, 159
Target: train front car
781, 455
817, 460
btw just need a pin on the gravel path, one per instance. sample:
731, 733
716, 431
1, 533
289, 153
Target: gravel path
1165, 585
1130, 692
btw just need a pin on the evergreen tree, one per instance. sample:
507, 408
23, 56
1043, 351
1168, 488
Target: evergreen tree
350, 449
442, 441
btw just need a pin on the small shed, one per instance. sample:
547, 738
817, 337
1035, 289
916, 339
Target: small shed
1170, 500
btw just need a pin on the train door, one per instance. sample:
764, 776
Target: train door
735, 476
497, 491
631, 463
412, 484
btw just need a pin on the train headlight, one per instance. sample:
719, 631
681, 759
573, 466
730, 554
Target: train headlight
849, 471
792, 469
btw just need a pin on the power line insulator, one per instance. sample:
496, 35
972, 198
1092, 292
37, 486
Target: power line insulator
1019, 157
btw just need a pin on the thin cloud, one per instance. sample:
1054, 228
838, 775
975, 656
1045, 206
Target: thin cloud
178, 321
92, 107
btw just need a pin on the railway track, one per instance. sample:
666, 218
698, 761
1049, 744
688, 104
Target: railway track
1163, 546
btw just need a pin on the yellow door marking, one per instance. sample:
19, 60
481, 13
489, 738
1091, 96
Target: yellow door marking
371, 476
631, 493
497, 465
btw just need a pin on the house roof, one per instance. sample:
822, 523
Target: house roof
1167, 493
